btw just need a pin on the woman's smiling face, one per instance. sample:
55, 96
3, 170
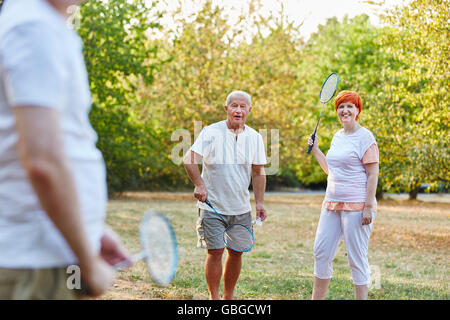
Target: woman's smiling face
347, 112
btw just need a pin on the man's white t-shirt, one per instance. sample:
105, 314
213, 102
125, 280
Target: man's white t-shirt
227, 166
347, 177
42, 65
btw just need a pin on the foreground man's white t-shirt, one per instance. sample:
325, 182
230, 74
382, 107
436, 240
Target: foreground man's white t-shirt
42, 65
227, 166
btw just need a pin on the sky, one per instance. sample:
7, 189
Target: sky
309, 12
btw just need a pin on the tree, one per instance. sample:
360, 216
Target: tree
118, 57
211, 59
400, 71
413, 119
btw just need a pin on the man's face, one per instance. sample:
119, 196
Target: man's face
238, 110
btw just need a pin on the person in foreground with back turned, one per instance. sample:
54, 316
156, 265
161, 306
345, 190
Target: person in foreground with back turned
349, 207
231, 153
52, 177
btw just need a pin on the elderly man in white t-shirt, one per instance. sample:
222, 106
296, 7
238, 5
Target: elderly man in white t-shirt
232, 154
52, 177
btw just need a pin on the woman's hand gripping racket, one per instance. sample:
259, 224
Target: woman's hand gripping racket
236, 236
327, 92
159, 248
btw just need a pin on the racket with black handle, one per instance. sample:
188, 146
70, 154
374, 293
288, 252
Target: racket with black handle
327, 92
237, 237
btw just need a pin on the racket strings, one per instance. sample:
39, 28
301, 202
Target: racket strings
239, 238
160, 249
329, 88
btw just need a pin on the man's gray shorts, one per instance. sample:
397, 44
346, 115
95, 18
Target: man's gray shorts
210, 227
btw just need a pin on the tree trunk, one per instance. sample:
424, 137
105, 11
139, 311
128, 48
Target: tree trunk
414, 192
379, 192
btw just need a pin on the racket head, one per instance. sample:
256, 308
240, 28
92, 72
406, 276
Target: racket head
239, 237
329, 87
160, 247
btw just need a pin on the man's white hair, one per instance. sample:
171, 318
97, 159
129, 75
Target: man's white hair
239, 93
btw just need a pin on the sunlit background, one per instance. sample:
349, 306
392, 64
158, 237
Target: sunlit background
307, 13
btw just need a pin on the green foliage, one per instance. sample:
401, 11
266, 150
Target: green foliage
119, 58
116, 49
145, 89
210, 60
413, 117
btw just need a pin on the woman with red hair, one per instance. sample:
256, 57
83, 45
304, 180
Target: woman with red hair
349, 206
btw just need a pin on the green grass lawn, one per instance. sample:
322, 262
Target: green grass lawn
409, 251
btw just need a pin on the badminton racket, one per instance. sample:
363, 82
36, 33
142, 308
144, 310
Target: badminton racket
327, 92
237, 237
159, 248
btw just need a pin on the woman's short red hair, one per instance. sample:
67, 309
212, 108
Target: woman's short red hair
349, 96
